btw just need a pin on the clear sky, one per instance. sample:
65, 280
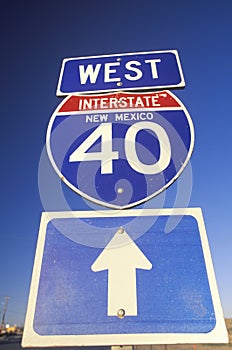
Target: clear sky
35, 37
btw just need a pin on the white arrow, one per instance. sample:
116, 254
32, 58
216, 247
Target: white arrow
121, 257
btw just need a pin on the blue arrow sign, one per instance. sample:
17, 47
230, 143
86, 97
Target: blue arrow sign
132, 284
120, 149
140, 70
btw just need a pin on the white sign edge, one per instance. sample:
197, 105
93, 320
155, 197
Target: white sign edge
60, 93
32, 339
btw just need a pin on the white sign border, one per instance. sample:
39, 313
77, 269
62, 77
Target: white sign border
59, 92
32, 339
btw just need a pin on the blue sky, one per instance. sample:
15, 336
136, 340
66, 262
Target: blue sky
36, 36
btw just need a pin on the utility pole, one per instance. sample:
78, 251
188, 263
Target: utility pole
4, 313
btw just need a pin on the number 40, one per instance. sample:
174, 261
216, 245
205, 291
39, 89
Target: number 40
107, 155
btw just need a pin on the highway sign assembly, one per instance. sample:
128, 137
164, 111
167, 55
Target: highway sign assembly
120, 149
121, 277
127, 71
132, 284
